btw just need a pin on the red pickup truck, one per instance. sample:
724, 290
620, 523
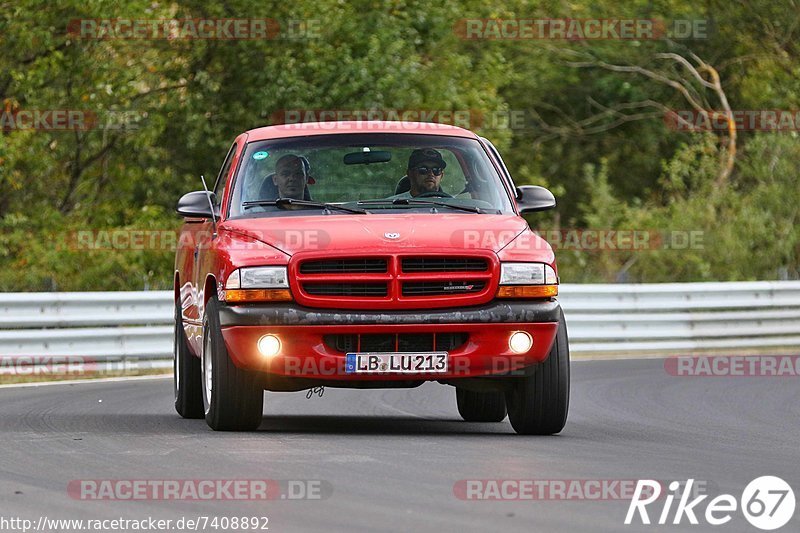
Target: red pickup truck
367, 255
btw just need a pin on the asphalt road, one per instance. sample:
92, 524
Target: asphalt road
389, 460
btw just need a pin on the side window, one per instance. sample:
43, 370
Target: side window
222, 178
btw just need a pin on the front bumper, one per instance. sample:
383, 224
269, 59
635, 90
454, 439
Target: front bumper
305, 354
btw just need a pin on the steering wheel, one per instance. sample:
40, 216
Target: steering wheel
433, 194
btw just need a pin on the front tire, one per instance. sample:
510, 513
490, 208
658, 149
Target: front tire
233, 398
481, 406
186, 374
538, 404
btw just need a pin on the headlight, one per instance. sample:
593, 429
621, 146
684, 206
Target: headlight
258, 278
527, 274
527, 280
258, 284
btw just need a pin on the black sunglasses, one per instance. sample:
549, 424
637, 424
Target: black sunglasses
437, 171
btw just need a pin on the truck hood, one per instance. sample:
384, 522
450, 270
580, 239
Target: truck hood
381, 233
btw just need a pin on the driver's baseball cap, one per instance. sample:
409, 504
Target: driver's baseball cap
425, 154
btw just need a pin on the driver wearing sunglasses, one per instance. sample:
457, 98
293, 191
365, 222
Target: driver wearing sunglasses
425, 172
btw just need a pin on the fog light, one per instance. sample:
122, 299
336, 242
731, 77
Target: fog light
269, 345
520, 342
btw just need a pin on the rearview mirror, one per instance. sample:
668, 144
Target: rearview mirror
532, 198
365, 158
197, 204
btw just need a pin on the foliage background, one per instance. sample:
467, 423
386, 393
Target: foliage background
193, 97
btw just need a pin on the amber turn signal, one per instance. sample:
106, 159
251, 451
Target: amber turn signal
527, 291
257, 295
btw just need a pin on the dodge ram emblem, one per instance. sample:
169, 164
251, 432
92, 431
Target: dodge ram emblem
392, 235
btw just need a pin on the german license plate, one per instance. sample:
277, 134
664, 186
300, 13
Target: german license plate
396, 363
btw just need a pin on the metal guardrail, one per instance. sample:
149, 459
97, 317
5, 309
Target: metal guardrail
682, 318
99, 326
669, 318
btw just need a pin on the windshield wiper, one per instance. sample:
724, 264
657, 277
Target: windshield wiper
415, 201
284, 202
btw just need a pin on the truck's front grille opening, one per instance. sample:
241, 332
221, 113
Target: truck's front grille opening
395, 342
350, 265
387, 280
444, 264
375, 290
440, 288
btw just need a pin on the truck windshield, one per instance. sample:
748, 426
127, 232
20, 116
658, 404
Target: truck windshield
367, 172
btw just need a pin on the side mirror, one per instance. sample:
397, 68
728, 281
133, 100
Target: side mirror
197, 204
532, 198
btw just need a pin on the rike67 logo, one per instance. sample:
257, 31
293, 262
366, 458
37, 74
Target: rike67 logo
768, 503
